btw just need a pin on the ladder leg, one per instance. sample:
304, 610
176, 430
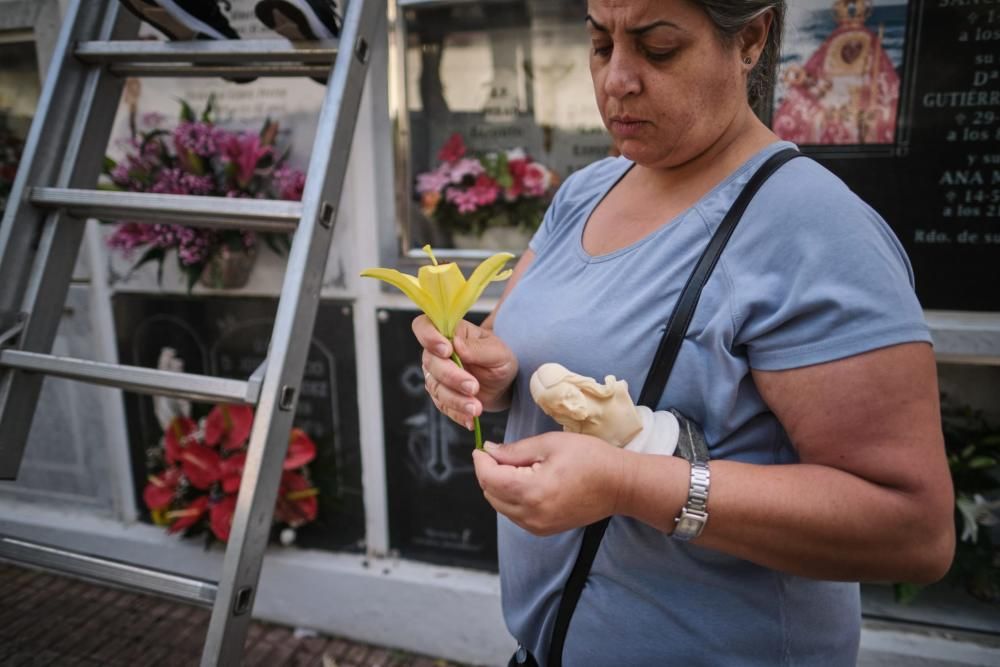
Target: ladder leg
38, 249
294, 323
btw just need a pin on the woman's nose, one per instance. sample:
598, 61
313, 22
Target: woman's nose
622, 75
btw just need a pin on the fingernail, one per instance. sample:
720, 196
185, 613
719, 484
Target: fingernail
469, 387
442, 350
471, 408
468, 424
490, 446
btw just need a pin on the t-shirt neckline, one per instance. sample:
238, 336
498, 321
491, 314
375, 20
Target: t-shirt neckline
677, 220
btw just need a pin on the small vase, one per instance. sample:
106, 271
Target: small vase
514, 239
228, 268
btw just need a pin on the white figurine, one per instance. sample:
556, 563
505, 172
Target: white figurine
583, 405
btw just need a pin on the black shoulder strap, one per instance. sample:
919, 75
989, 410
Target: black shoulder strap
656, 382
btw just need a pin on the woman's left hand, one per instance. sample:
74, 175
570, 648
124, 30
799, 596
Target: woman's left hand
553, 482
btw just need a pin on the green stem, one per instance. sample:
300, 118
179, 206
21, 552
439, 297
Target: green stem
475, 420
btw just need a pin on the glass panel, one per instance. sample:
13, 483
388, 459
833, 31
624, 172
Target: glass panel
508, 83
19, 91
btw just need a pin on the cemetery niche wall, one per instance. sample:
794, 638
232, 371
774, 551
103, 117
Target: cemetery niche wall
228, 337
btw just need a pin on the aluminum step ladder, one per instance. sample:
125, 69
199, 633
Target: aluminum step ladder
40, 236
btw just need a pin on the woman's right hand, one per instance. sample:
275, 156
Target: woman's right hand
489, 370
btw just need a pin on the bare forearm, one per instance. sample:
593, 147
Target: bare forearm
809, 520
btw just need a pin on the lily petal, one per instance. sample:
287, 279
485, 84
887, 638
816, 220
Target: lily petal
409, 286
487, 272
442, 283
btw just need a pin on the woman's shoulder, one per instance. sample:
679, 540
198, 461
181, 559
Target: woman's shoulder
804, 203
595, 178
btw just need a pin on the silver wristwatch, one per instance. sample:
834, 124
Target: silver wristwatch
691, 521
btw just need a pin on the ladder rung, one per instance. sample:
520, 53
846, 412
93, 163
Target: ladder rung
226, 58
209, 52
225, 71
108, 571
135, 378
263, 215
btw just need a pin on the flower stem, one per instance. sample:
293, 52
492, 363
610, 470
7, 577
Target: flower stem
475, 420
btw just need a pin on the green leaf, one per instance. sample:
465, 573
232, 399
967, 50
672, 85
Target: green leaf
187, 113
156, 254
981, 462
906, 593
968, 451
279, 243
193, 273
206, 115
108, 165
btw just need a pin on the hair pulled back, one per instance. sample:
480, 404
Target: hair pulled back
730, 17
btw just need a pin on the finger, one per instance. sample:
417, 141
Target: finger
477, 346
430, 338
523, 453
450, 375
459, 407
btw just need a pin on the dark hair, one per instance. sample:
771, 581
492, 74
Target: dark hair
730, 17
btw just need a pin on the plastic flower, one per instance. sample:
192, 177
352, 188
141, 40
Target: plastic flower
230, 424
445, 296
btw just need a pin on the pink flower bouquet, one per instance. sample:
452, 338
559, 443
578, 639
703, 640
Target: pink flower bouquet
198, 158
470, 193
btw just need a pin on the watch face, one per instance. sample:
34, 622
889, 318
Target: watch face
688, 525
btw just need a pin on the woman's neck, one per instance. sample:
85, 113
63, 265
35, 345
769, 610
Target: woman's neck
742, 139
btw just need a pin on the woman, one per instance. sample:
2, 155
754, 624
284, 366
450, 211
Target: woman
807, 363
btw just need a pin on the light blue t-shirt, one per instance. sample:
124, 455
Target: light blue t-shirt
811, 274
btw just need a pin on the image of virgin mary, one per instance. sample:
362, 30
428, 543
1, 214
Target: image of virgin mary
847, 92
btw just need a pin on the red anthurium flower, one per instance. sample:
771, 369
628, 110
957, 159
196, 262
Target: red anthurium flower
187, 516
229, 424
201, 465
232, 471
297, 502
177, 436
160, 489
453, 149
301, 450
221, 517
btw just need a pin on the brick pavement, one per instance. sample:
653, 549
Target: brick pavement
52, 620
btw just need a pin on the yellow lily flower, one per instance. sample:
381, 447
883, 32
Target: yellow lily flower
445, 296
441, 290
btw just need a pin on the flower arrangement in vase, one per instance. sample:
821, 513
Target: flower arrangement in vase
197, 157
469, 195
196, 468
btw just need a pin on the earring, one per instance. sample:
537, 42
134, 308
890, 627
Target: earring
747, 60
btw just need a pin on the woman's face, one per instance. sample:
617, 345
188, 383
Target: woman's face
666, 85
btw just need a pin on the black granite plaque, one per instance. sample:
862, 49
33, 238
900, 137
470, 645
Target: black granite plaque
437, 512
228, 337
936, 180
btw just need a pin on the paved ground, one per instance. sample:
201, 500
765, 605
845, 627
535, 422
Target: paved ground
47, 619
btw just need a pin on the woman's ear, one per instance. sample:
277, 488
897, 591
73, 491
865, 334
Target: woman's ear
753, 37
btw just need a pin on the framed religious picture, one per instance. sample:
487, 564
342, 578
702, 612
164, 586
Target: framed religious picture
841, 74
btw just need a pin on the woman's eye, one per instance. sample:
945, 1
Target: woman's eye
601, 49
659, 56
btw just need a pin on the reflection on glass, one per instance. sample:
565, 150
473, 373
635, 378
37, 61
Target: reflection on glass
19, 90
508, 81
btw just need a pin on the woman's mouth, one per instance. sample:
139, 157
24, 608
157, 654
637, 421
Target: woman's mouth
626, 126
